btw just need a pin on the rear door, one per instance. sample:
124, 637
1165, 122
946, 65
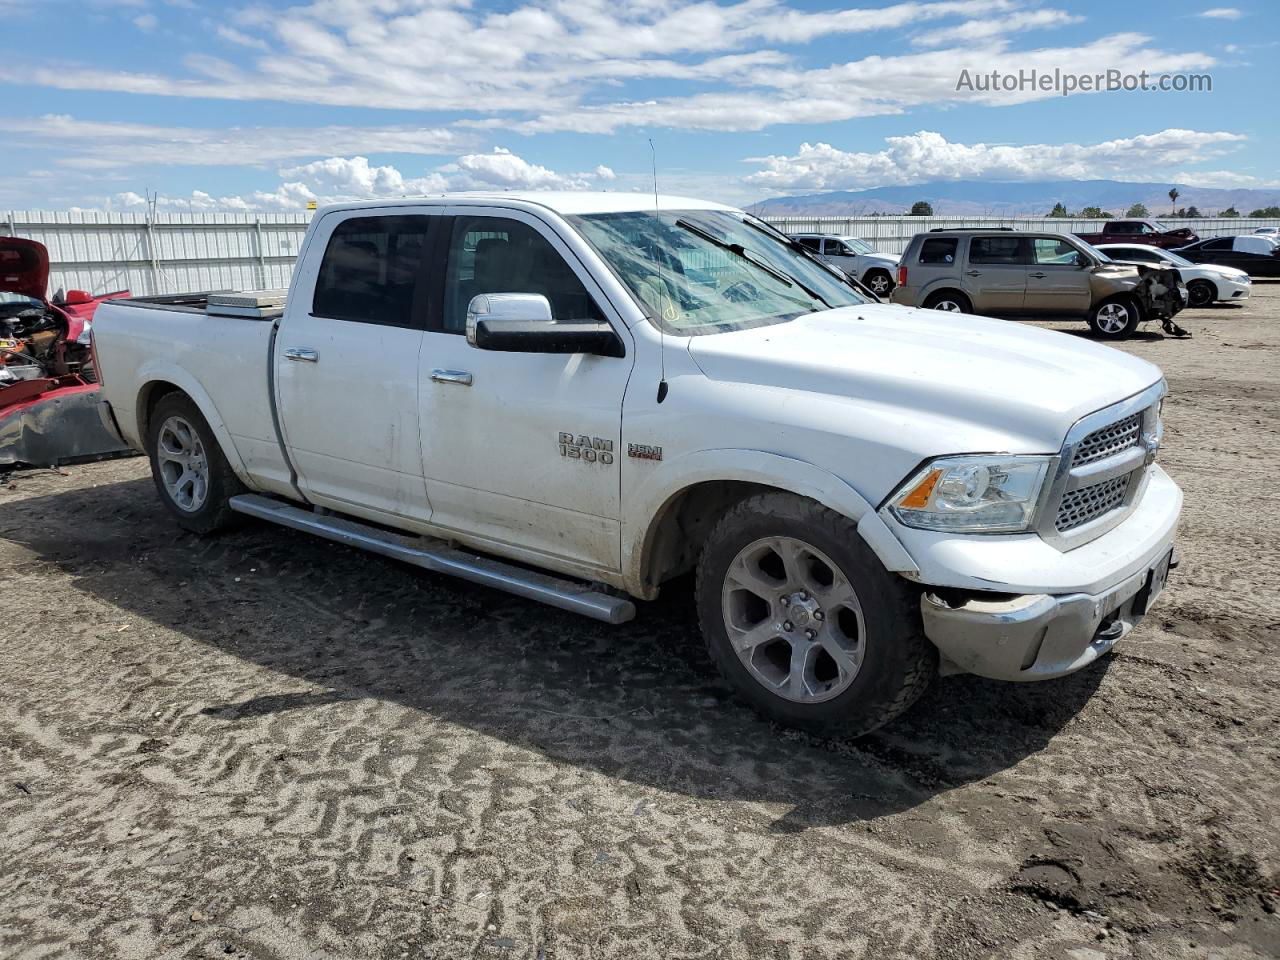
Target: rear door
346, 364
522, 448
1055, 283
995, 274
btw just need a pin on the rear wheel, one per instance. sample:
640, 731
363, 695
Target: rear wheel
802, 619
950, 301
1114, 319
1201, 293
193, 478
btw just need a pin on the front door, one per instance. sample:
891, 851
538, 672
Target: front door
995, 276
522, 448
346, 366
1055, 282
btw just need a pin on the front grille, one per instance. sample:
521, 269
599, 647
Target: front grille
1088, 503
1109, 440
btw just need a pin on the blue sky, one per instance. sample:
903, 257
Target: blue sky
266, 105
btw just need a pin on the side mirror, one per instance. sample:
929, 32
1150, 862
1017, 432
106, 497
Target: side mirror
522, 323
77, 297
1082, 261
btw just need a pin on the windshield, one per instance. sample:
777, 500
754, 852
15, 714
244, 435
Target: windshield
710, 271
858, 246
1093, 251
1159, 226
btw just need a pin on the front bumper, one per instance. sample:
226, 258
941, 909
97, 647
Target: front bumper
1041, 636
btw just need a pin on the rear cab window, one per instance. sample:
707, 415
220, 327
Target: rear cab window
372, 272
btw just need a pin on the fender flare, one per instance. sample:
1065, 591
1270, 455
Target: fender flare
164, 371
651, 498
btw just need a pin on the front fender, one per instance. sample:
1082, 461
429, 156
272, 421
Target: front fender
646, 505
159, 370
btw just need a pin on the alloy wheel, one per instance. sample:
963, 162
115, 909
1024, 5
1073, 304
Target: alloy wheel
794, 619
184, 469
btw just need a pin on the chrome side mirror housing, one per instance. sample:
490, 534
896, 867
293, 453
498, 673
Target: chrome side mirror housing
523, 307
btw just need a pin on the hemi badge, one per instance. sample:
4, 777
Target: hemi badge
644, 451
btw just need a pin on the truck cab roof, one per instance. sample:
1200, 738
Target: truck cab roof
567, 202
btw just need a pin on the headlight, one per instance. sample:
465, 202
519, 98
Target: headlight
972, 494
85, 335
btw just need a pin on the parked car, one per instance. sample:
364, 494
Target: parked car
1205, 282
578, 397
855, 257
1149, 232
1258, 256
1016, 273
1268, 231
48, 403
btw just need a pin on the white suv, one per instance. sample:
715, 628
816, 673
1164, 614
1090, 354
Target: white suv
855, 257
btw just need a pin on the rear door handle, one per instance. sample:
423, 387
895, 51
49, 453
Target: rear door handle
1038, 276
305, 354
974, 273
460, 377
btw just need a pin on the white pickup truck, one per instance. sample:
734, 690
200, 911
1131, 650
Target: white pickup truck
578, 397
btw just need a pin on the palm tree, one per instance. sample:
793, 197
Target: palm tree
1173, 197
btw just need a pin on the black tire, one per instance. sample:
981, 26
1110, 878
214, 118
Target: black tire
1201, 293
898, 662
879, 282
941, 299
1103, 319
213, 512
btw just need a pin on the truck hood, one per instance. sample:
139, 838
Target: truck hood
1027, 384
24, 267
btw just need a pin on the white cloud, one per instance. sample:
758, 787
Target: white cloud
1222, 13
98, 144
561, 66
355, 177
926, 156
145, 22
872, 86
989, 27
335, 179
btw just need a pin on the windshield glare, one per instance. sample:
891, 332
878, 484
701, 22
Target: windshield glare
858, 245
709, 271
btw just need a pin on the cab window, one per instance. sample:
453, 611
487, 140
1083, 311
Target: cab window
498, 255
371, 270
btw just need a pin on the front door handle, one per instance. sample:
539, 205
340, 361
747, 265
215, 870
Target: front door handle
974, 273
1038, 276
460, 377
305, 354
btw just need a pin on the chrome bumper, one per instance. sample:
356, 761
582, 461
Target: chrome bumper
1038, 636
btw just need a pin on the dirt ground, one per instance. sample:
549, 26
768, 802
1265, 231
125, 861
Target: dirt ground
265, 745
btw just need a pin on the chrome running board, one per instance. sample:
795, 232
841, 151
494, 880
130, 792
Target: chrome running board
436, 556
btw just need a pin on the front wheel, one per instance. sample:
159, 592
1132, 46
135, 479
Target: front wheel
1114, 319
804, 622
1201, 293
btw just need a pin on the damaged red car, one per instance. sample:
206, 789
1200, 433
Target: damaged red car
48, 386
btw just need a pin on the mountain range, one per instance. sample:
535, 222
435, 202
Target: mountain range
1012, 198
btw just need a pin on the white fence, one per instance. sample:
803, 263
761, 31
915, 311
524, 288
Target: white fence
890, 234
186, 252
168, 253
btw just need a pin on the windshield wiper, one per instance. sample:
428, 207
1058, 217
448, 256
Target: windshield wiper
769, 230
741, 251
